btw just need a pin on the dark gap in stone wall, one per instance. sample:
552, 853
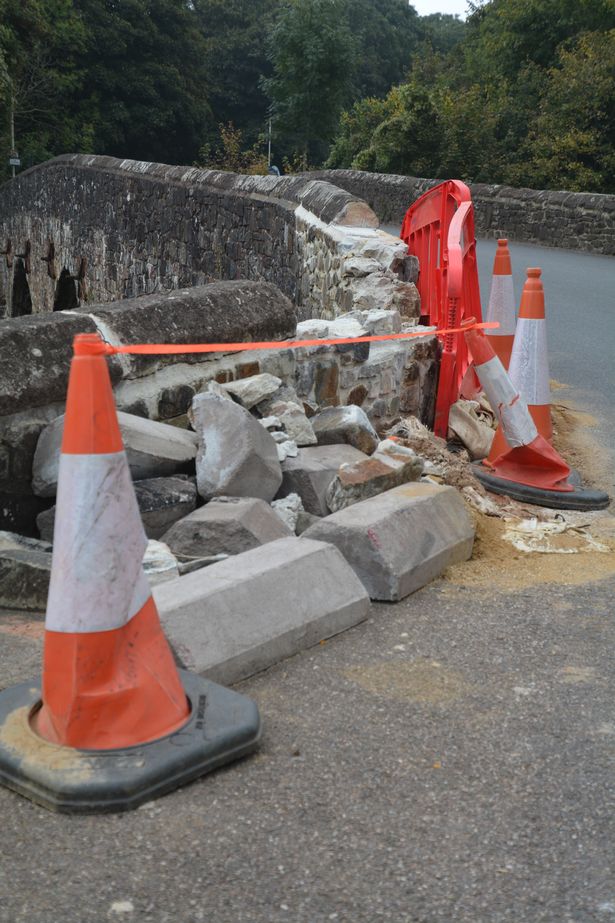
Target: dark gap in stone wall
21, 300
66, 293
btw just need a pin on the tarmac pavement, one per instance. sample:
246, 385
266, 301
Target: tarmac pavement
451, 759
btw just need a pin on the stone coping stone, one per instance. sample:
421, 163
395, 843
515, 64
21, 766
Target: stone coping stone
225, 525
162, 501
36, 352
220, 312
153, 450
327, 202
401, 539
242, 615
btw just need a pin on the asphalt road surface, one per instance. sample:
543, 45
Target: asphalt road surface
452, 760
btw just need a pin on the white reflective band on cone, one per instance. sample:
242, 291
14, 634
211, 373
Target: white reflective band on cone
501, 306
97, 582
511, 410
529, 365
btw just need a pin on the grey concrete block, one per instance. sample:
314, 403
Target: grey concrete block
400, 540
162, 501
242, 615
225, 525
237, 456
153, 450
311, 472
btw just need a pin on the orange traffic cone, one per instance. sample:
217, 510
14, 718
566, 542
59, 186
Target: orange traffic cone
109, 679
501, 307
110, 684
529, 469
529, 366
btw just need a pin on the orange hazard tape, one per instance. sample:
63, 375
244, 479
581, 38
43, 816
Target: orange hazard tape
154, 349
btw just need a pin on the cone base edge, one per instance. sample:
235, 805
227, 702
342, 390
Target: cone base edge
581, 498
223, 726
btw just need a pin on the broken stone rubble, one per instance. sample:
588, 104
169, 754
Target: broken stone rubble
288, 509
371, 476
348, 424
236, 457
311, 472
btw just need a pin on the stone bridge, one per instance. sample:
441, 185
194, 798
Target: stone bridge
83, 228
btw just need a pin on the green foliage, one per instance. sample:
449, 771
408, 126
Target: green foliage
230, 154
526, 96
571, 142
386, 34
235, 33
523, 92
312, 52
398, 135
443, 32
144, 92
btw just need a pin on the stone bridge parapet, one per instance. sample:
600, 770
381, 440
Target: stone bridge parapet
87, 228
571, 220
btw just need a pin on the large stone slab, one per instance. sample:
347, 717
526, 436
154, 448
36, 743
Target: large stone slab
311, 472
237, 457
225, 525
401, 539
153, 450
245, 614
162, 501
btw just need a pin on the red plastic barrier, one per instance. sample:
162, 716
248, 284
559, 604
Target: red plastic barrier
439, 230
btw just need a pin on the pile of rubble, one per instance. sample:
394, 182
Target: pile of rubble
271, 523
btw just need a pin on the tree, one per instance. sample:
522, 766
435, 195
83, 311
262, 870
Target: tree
387, 33
571, 143
406, 139
37, 42
443, 32
235, 33
146, 94
311, 50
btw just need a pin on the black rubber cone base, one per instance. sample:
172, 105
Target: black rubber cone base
223, 726
581, 498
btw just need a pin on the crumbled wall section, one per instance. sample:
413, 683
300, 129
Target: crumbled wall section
572, 220
387, 378
122, 228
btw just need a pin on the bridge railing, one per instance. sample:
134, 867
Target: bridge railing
439, 230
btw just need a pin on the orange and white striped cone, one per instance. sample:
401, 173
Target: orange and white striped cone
529, 469
529, 365
501, 307
110, 683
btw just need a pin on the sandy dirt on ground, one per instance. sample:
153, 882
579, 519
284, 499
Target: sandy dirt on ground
497, 564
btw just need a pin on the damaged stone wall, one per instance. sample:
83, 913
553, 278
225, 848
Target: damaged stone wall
573, 220
84, 229
384, 378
